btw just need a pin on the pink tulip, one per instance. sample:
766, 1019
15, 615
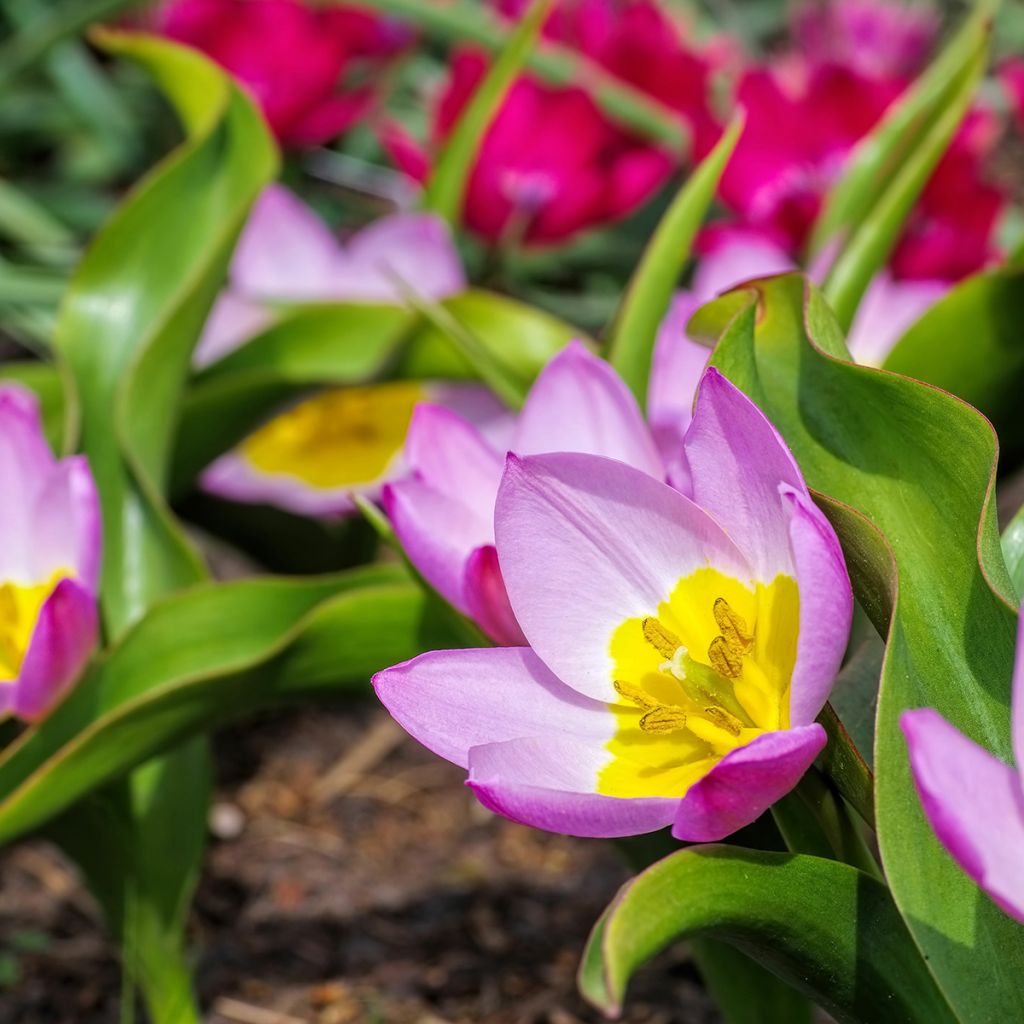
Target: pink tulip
295, 60
679, 646
49, 563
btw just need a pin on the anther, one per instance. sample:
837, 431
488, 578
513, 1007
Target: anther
722, 718
663, 719
733, 627
663, 640
634, 694
725, 660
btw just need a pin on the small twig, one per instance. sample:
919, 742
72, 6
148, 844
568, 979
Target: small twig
246, 1013
378, 742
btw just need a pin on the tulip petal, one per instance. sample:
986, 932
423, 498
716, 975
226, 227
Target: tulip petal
737, 461
285, 250
415, 249
586, 543
64, 637
547, 782
580, 404
25, 462
973, 802
487, 600
67, 527
826, 606
454, 701
746, 782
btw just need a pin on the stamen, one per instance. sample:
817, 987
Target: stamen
722, 718
663, 640
724, 659
663, 719
733, 627
634, 695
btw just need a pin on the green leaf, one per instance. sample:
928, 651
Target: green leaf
743, 990
135, 308
446, 188
969, 343
131, 842
827, 929
202, 657
867, 208
1013, 551
906, 472
647, 299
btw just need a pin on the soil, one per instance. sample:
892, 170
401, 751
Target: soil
351, 878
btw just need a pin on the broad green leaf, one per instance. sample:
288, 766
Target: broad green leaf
130, 840
893, 165
468, 21
827, 929
135, 307
202, 657
970, 343
897, 461
743, 990
446, 187
647, 299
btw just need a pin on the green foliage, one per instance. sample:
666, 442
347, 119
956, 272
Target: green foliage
906, 473
826, 928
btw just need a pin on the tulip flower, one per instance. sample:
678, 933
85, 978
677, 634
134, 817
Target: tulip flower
680, 645
286, 254
50, 555
312, 458
293, 58
973, 801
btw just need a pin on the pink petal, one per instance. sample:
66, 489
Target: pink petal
548, 781
232, 322
826, 606
746, 782
67, 528
487, 600
415, 249
585, 543
453, 701
1017, 700
737, 460
285, 251
64, 637
974, 803
580, 404
888, 310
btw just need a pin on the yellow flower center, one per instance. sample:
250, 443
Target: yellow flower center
341, 438
19, 610
704, 674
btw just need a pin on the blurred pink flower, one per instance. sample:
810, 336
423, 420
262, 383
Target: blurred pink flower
294, 59
552, 163
829, 93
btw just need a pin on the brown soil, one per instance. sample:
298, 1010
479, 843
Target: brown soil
352, 878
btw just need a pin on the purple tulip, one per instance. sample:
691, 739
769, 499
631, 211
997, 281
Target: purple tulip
50, 533
680, 644
973, 801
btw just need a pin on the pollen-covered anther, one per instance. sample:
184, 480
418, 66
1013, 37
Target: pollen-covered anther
725, 660
720, 717
663, 719
663, 640
733, 627
634, 695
